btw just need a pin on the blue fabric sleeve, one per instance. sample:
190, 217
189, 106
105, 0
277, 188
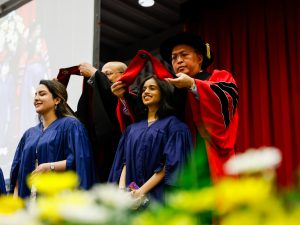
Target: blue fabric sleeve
14, 172
119, 160
79, 154
2, 183
177, 151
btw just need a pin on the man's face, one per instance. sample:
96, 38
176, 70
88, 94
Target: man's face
186, 60
112, 72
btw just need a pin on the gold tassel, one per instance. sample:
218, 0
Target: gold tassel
208, 51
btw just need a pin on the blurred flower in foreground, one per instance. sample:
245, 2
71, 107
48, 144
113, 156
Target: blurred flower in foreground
248, 199
254, 160
234, 193
52, 183
86, 214
55, 208
245, 217
228, 194
193, 201
111, 196
164, 216
21, 217
61, 203
255, 186
10, 204
49, 207
269, 212
12, 212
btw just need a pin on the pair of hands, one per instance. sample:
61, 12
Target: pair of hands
182, 81
135, 193
140, 199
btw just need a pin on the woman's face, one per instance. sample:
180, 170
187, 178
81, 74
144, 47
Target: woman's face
44, 101
151, 93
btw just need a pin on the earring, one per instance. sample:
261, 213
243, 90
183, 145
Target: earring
55, 107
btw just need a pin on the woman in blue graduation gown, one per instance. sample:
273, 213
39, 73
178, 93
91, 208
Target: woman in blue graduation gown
58, 143
151, 152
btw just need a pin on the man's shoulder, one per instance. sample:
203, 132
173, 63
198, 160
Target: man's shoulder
221, 75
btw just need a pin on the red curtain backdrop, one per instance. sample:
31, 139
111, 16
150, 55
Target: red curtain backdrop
259, 42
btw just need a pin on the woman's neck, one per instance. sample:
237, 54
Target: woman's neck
47, 119
152, 114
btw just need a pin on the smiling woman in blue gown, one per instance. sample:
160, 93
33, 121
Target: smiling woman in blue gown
151, 152
58, 143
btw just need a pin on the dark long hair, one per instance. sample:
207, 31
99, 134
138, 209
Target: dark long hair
58, 90
166, 104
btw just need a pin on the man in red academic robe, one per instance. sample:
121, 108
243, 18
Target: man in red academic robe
210, 99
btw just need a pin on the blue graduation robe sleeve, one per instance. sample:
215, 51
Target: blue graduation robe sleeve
14, 172
77, 156
2, 183
176, 151
119, 161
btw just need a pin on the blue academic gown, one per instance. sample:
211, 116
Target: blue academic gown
64, 139
2, 183
146, 150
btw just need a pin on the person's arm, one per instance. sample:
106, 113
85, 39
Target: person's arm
215, 114
16, 190
58, 166
150, 184
122, 182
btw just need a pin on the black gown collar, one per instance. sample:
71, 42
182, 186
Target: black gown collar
202, 75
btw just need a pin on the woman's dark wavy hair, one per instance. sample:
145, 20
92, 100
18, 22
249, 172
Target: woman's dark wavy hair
166, 104
58, 90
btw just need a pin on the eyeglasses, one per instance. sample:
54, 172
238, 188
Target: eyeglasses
109, 73
182, 55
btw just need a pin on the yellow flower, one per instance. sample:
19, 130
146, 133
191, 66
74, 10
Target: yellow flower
10, 204
293, 217
164, 217
50, 206
275, 220
51, 183
266, 214
244, 217
232, 193
181, 219
194, 201
143, 219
